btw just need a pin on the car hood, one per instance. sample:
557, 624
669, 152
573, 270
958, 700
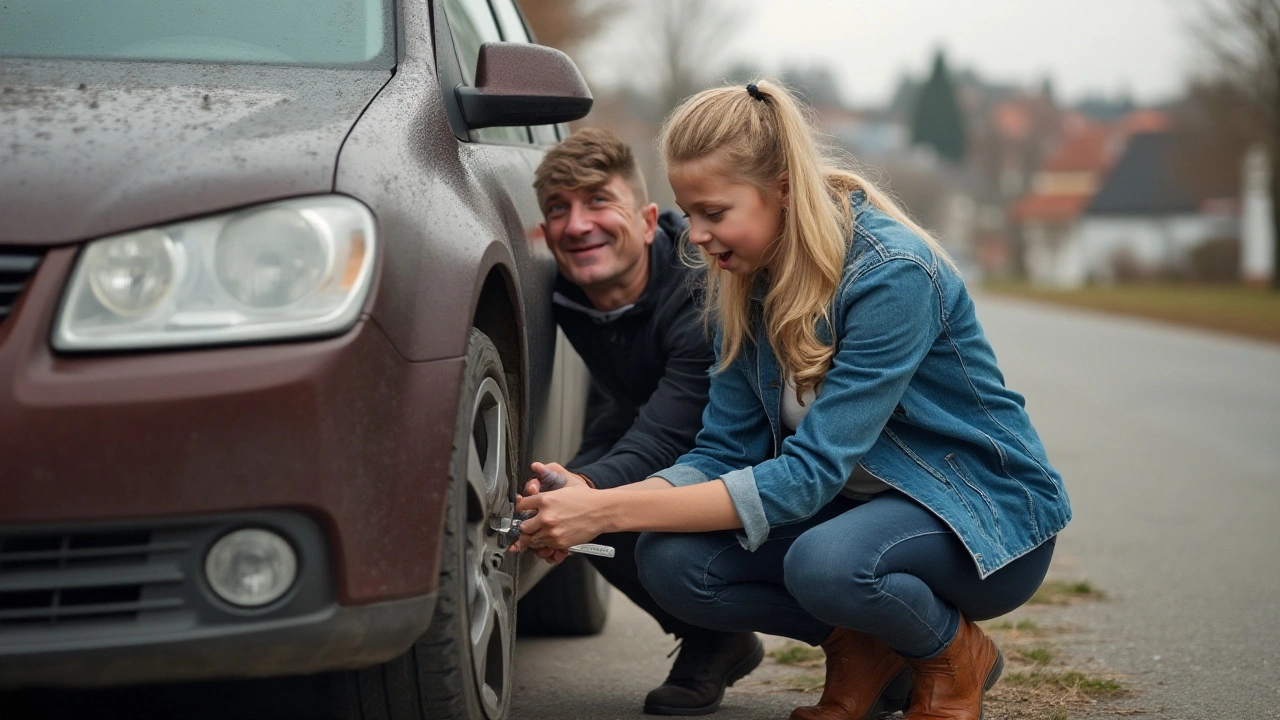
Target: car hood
93, 148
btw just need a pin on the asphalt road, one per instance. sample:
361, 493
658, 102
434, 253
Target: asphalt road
1169, 440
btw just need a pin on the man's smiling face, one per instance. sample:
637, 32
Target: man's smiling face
599, 236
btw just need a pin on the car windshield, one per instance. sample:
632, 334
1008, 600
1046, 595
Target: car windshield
334, 33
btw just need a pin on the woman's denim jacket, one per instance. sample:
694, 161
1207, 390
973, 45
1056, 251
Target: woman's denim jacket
913, 394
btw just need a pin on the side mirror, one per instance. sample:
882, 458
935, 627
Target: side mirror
523, 84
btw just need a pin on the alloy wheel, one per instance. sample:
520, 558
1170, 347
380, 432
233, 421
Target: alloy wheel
490, 581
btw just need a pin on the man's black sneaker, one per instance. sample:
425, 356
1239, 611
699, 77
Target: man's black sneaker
708, 663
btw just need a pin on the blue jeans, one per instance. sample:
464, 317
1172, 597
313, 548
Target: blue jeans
887, 567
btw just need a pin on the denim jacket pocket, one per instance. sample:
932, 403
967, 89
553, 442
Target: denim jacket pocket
940, 477
953, 461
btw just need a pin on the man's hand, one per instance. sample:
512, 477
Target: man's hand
551, 476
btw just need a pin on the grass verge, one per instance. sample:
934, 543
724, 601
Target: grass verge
1240, 310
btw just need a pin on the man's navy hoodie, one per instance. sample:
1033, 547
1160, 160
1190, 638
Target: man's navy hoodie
648, 366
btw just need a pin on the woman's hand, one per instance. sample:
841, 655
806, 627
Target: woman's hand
569, 516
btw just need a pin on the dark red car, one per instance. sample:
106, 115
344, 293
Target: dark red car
275, 343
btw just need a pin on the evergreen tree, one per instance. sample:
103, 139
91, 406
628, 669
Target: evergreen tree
936, 120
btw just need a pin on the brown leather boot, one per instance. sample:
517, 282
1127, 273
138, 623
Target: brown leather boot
865, 679
950, 685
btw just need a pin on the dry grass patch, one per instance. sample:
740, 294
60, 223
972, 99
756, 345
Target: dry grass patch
1038, 682
1036, 655
1043, 693
805, 682
1015, 628
798, 654
1065, 592
1072, 682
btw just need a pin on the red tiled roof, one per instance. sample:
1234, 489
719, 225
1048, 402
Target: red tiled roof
1089, 149
1145, 121
1049, 208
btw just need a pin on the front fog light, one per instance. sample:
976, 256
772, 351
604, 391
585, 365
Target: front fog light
251, 568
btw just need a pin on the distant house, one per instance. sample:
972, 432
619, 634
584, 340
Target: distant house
1107, 204
1048, 216
1010, 133
1144, 221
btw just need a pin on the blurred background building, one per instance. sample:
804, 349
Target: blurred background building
1018, 181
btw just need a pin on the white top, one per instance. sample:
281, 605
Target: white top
860, 482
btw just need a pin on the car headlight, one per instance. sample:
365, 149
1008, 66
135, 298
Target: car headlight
130, 276
285, 269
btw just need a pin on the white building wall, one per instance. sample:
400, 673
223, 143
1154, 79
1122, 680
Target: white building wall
1037, 253
1257, 256
1070, 270
1052, 255
1152, 244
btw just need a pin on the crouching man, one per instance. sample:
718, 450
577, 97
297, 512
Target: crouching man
627, 304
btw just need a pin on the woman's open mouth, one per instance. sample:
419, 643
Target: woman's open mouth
722, 259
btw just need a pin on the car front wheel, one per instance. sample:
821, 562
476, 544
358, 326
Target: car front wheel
461, 667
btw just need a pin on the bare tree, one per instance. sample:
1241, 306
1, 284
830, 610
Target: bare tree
567, 24
1215, 124
1243, 38
688, 38
673, 48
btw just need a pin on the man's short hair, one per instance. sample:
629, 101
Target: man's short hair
589, 158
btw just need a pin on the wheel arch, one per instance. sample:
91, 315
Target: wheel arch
499, 315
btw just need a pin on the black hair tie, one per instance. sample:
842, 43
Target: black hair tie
754, 92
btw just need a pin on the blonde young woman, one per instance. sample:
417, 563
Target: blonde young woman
864, 480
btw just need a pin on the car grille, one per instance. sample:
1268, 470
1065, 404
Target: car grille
50, 579
16, 267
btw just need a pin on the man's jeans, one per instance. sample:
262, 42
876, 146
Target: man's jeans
887, 567
621, 572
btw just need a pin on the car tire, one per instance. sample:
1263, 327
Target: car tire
572, 599
461, 667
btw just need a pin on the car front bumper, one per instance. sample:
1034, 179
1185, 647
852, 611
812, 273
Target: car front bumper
342, 433
127, 602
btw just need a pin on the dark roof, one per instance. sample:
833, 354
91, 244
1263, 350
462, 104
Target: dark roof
1144, 182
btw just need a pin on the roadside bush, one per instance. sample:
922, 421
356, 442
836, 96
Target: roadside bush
1216, 261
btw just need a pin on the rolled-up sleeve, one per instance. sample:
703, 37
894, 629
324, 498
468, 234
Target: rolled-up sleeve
747, 501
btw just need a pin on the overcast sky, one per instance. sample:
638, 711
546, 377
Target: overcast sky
1103, 47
